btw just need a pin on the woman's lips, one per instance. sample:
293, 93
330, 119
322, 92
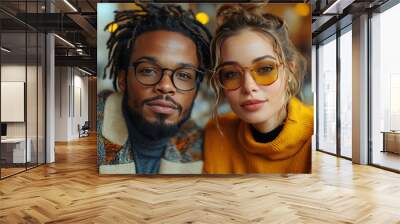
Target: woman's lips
252, 105
162, 107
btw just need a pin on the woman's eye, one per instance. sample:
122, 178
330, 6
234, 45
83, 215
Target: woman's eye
230, 75
265, 70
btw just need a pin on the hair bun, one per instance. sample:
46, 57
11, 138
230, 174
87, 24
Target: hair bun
227, 11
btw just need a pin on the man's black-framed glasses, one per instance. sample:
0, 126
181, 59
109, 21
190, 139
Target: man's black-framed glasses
149, 74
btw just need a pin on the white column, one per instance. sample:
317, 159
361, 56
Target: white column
50, 93
360, 90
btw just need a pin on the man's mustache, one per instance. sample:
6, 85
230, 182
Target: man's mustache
163, 97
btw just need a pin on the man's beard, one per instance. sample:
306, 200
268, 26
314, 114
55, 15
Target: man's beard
158, 129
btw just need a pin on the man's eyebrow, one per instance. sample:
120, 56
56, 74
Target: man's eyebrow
154, 60
147, 58
263, 57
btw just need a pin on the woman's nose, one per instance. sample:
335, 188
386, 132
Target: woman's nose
249, 84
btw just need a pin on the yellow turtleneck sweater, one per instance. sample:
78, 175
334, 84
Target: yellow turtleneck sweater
237, 152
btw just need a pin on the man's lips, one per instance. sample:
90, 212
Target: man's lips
162, 106
252, 105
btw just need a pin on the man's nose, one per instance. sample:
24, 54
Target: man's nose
165, 85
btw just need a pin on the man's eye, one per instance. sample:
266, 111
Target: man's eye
184, 76
265, 70
148, 71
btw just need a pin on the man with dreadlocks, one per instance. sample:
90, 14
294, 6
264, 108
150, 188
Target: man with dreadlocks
157, 59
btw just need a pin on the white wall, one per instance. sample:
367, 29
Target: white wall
70, 83
16, 73
33, 126
61, 103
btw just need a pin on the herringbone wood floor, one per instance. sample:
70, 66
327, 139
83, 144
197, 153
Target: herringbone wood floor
70, 191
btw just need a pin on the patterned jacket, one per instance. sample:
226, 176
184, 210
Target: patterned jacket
183, 155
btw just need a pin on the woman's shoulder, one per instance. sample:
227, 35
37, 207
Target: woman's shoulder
225, 121
299, 110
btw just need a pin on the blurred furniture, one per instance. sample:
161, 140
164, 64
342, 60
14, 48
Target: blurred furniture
391, 141
84, 130
13, 150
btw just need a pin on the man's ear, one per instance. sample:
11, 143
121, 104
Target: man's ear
122, 80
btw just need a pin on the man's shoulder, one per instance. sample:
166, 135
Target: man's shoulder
112, 133
188, 142
101, 100
103, 95
190, 132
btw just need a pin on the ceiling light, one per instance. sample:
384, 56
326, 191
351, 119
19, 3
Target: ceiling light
329, 9
84, 71
65, 41
70, 5
5, 50
338, 6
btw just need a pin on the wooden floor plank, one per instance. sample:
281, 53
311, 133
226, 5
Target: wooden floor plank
71, 191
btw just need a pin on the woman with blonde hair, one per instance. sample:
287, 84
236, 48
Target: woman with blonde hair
259, 72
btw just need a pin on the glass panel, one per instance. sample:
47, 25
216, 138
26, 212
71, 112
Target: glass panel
13, 91
327, 96
13, 87
41, 99
346, 94
385, 84
31, 98
23, 83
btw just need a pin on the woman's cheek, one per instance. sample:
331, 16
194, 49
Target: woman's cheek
233, 98
275, 90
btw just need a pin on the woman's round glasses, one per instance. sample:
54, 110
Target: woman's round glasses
230, 76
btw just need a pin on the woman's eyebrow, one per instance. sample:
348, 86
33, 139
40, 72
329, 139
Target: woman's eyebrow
228, 63
263, 57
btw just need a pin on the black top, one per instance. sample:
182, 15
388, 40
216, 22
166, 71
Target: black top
265, 137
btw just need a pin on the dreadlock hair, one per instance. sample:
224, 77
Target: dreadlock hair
152, 17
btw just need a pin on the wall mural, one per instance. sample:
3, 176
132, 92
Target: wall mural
204, 88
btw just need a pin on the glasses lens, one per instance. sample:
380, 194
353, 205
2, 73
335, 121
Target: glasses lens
229, 77
265, 72
185, 78
147, 73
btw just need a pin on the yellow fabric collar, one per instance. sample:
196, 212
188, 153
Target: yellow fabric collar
297, 129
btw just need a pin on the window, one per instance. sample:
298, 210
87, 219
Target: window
346, 93
327, 96
385, 89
